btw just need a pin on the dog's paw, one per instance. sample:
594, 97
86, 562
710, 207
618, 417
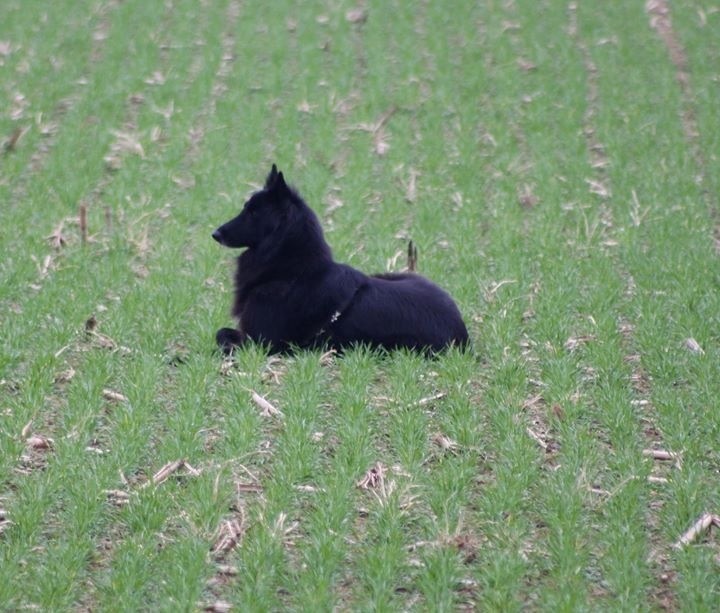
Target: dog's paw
229, 338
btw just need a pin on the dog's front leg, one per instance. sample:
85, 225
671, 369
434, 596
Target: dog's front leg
229, 338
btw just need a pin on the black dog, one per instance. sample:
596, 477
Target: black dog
290, 293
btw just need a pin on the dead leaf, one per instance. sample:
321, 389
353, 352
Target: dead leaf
533, 402
26, 429
126, 143
538, 439
166, 112
219, 606
17, 109
229, 534
184, 181
140, 271
692, 345
114, 396
468, 546
380, 143
105, 342
332, 203
40, 442
596, 187
375, 477
328, 358
305, 107
356, 16
280, 530
227, 366
101, 33
457, 199
576, 341
525, 65
43, 267
310, 489
527, 197
118, 498
48, 129
156, 78
137, 98
65, 376
445, 442
113, 162
56, 237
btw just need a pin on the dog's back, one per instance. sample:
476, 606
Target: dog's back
401, 311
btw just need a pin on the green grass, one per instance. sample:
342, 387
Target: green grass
513, 477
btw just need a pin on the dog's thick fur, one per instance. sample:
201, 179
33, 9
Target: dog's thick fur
289, 293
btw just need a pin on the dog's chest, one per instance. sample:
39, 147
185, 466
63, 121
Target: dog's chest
258, 297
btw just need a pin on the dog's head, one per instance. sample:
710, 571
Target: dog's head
262, 216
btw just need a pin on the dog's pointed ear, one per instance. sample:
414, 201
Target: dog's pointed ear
272, 177
280, 182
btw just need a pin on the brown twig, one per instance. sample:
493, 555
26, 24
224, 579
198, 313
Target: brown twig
170, 468
700, 527
267, 409
252, 488
83, 223
664, 456
537, 438
659, 454
429, 399
385, 118
12, 141
108, 220
229, 534
412, 257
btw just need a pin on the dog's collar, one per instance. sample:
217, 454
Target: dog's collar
337, 314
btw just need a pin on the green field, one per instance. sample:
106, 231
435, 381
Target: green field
558, 166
